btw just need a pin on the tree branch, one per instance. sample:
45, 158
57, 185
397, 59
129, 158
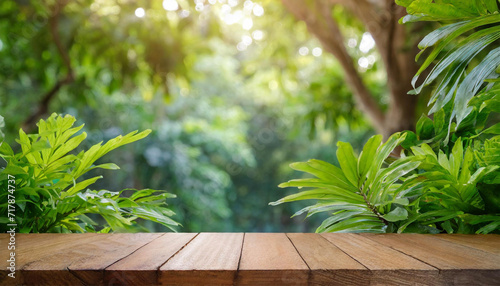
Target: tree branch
43, 105
325, 28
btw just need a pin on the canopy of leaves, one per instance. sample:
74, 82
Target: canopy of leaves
233, 92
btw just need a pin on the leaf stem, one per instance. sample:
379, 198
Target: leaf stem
374, 209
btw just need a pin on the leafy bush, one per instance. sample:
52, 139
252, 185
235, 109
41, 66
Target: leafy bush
49, 197
447, 178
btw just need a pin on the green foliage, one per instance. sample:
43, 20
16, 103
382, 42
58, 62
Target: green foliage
447, 178
463, 66
363, 195
51, 197
446, 10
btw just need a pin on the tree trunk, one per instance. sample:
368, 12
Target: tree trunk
381, 21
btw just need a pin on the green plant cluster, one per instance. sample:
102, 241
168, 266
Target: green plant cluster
50, 195
447, 175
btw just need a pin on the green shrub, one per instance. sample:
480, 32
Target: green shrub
49, 197
447, 178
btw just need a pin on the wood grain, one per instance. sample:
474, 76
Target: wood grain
458, 264
85, 260
252, 259
209, 259
488, 243
140, 267
36, 247
329, 265
388, 266
271, 259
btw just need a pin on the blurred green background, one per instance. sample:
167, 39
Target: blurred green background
234, 91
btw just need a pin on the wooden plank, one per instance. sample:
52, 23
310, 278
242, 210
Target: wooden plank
388, 266
210, 258
271, 259
458, 264
264, 259
140, 268
488, 243
329, 265
34, 247
30, 247
86, 261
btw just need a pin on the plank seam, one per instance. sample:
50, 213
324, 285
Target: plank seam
78, 277
309, 273
104, 269
239, 260
346, 253
133, 252
416, 258
180, 249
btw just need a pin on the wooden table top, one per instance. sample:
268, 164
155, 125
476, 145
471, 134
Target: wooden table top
251, 259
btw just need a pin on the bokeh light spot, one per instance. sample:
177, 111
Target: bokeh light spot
317, 52
170, 5
139, 12
303, 51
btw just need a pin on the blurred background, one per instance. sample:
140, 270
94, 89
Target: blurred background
233, 90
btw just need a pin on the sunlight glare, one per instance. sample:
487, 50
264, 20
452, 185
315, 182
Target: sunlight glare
170, 5
247, 24
241, 46
371, 59
225, 9
317, 52
258, 35
247, 40
248, 5
184, 14
363, 62
199, 7
303, 51
139, 12
352, 43
367, 43
258, 10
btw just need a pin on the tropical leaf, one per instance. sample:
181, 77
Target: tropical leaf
360, 193
51, 198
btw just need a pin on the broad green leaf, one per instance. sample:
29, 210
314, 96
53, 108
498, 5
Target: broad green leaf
5, 150
321, 194
324, 171
361, 223
313, 183
396, 214
330, 207
443, 161
382, 154
367, 155
425, 128
336, 217
489, 227
68, 146
495, 129
441, 215
348, 162
472, 83
80, 186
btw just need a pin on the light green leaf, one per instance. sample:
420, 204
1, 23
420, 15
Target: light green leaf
368, 155
495, 129
396, 214
80, 186
348, 162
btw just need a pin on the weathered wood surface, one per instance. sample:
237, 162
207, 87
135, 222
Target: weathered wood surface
252, 259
